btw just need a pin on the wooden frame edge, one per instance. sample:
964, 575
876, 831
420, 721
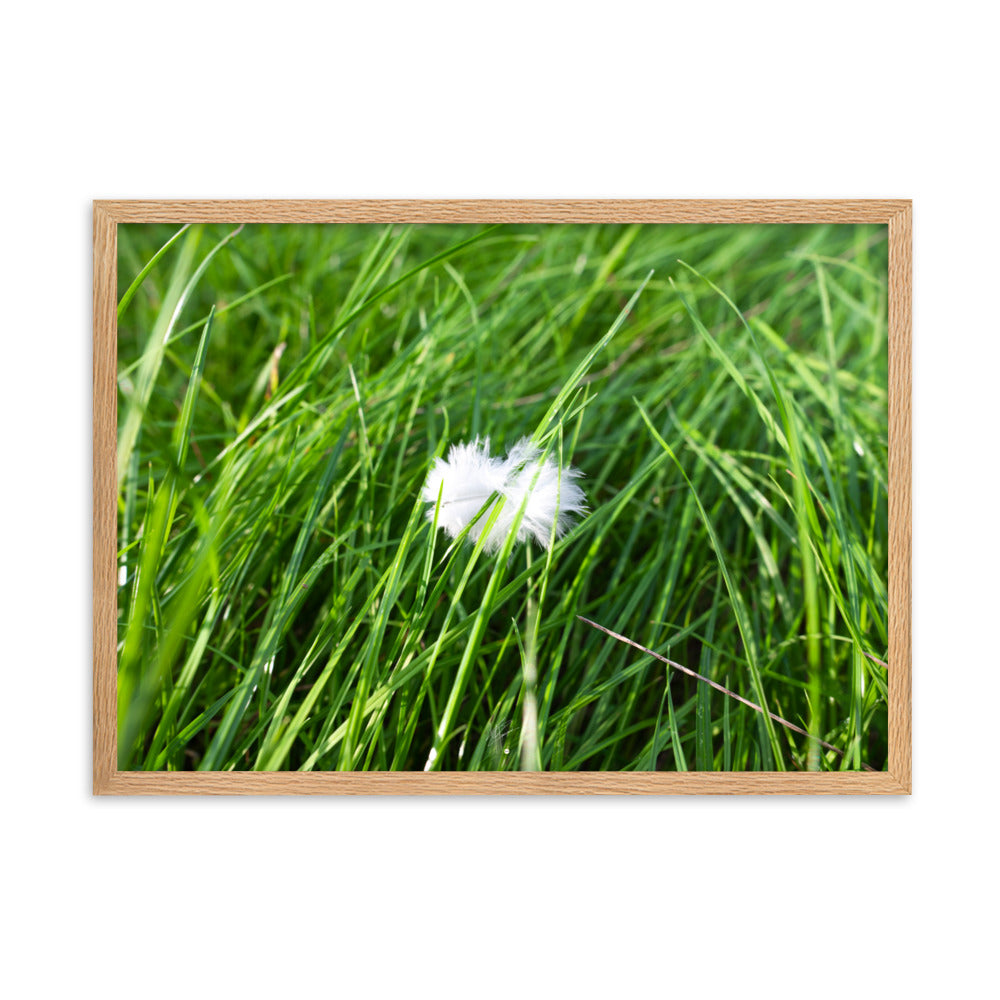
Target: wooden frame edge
900, 584
499, 783
105, 432
109, 781
504, 210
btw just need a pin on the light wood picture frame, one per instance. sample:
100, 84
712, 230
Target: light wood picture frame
896, 215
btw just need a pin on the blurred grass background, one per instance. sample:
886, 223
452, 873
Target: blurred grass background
283, 603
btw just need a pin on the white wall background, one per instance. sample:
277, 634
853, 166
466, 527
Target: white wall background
741, 897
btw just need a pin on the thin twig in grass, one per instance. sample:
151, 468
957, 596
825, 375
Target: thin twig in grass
718, 687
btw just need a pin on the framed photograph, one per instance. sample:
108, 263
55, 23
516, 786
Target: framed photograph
502, 497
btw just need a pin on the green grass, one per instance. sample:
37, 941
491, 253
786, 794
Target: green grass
284, 602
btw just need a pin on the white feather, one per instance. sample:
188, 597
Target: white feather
470, 476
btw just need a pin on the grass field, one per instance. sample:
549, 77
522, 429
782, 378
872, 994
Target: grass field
284, 602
